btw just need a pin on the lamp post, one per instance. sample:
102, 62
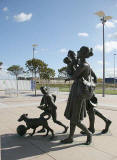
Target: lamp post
34, 46
1, 65
103, 19
34, 81
114, 70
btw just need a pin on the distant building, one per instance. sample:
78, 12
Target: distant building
110, 80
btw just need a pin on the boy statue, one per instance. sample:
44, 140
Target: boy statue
48, 105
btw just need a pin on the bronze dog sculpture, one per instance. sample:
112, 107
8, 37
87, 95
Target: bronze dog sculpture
33, 123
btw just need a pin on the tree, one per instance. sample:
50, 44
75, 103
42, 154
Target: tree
15, 70
48, 74
99, 80
62, 72
36, 66
1, 65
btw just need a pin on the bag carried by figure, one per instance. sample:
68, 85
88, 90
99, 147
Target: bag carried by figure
87, 87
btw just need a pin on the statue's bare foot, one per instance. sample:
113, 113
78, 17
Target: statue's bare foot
90, 129
89, 139
67, 140
66, 128
108, 123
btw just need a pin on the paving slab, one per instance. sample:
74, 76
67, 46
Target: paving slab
14, 147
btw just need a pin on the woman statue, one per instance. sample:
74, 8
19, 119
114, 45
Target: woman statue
76, 106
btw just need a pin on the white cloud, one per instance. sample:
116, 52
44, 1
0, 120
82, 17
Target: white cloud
63, 50
110, 72
36, 51
99, 25
5, 9
109, 46
22, 17
112, 35
114, 20
101, 62
5, 75
98, 47
7, 17
107, 25
83, 34
44, 49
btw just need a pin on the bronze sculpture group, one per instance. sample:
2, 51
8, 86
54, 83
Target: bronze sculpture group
81, 98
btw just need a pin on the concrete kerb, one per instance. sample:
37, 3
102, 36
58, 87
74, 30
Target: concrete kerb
108, 102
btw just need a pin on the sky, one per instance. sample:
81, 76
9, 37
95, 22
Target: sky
57, 26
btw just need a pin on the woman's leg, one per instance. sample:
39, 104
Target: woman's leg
83, 128
107, 121
70, 138
91, 115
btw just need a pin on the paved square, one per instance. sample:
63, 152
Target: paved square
14, 147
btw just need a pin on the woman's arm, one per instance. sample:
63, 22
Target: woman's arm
94, 76
42, 101
80, 69
77, 74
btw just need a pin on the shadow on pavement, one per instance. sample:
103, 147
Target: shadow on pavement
100, 134
33, 95
4, 96
14, 147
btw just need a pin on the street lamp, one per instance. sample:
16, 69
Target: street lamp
33, 81
103, 19
114, 70
34, 46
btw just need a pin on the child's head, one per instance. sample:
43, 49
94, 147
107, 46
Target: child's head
44, 90
67, 60
71, 54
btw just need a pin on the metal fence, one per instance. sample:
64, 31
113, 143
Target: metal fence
12, 84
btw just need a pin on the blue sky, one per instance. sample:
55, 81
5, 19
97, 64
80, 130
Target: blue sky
56, 26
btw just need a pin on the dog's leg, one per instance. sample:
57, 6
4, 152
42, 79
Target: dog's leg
52, 133
27, 128
41, 131
46, 133
31, 134
49, 129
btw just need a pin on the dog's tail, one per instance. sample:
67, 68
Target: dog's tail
49, 116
